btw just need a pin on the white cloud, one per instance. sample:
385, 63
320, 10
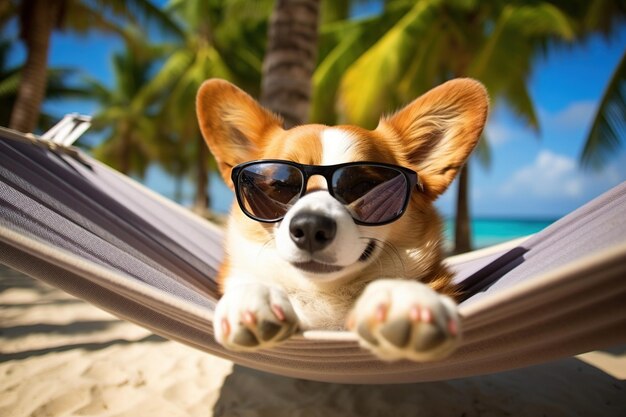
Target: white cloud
550, 175
576, 116
554, 177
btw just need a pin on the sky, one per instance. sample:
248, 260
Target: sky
538, 175
533, 175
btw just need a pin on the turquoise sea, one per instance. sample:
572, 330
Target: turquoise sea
491, 231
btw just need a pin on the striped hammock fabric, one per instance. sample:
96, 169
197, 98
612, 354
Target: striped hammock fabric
76, 224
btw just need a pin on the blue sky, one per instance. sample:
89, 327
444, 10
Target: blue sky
538, 175
532, 175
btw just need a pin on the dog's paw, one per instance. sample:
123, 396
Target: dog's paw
398, 319
252, 316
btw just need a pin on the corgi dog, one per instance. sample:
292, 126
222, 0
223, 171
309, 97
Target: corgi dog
335, 227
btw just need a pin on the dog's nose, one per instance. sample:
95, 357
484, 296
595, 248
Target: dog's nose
311, 231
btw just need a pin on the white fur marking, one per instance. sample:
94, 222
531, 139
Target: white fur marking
336, 145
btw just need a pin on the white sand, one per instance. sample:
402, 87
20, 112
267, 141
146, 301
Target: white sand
62, 357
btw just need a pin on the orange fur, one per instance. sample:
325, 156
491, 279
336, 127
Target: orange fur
433, 135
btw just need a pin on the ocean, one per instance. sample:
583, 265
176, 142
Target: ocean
491, 231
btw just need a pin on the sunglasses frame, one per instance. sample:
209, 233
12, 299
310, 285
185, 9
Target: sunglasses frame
326, 171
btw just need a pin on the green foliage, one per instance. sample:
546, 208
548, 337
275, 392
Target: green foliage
219, 38
372, 66
608, 131
341, 44
368, 87
132, 140
495, 42
59, 87
366, 67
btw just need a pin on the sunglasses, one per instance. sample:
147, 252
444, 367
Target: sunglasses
374, 193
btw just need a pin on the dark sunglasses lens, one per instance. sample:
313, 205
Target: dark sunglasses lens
373, 194
267, 189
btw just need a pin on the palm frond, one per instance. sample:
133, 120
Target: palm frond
603, 16
60, 86
153, 15
608, 129
5, 49
9, 83
366, 88
180, 103
114, 15
543, 19
171, 71
425, 68
511, 40
97, 90
82, 17
342, 44
518, 99
519, 32
327, 77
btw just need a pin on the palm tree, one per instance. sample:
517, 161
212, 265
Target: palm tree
58, 87
424, 43
290, 59
132, 139
221, 39
430, 41
39, 18
341, 43
608, 128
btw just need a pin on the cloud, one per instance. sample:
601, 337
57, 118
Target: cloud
550, 175
548, 185
576, 116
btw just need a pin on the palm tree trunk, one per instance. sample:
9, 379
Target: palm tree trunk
290, 59
202, 203
463, 233
38, 18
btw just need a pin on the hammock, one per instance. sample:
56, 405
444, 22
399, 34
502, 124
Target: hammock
78, 225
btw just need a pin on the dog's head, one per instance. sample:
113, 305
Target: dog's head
316, 228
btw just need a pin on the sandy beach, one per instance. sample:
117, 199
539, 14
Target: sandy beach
62, 357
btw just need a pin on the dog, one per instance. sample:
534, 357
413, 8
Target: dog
335, 227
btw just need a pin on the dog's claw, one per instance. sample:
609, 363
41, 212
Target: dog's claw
225, 327
381, 313
453, 327
249, 318
278, 312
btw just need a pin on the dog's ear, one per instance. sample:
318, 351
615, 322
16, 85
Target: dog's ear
439, 130
233, 124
